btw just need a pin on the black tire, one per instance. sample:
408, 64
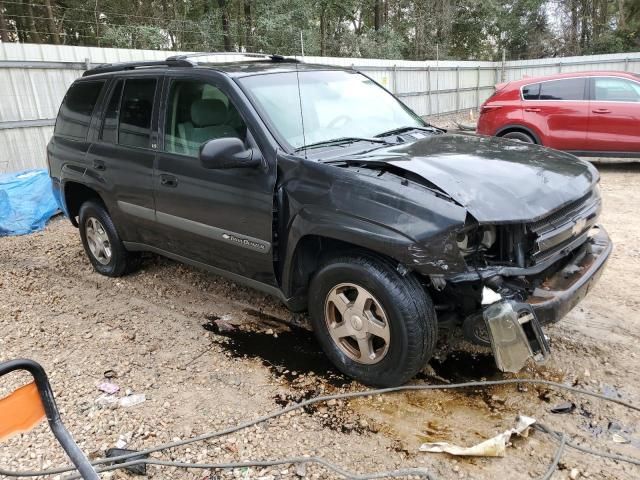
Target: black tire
409, 311
520, 136
120, 262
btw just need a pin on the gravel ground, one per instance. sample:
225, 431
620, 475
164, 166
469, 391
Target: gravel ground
163, 332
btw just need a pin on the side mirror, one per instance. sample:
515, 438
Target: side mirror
223, 153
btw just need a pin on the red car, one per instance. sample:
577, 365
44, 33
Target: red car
583, 112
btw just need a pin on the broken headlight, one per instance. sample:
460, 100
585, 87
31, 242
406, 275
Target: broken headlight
476, 239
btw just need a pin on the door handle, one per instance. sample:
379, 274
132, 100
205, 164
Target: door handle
601, 110
99, 165
168, 181
532, 109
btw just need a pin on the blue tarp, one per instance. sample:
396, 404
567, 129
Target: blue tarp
26, 202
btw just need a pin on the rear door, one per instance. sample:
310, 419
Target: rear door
221, 218
122, 155
559, 110
614, 122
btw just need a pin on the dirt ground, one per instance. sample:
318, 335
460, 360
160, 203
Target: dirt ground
158, 332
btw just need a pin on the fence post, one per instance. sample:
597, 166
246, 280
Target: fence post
478, 87
457, 88
626, 63
437, 90
429, 88
437, 78
395, 78
560, 66
87, 63
504, 60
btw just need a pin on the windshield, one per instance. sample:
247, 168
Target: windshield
335, 104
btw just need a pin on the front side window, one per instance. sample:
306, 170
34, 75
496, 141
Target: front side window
330, 105
134, 128
569, 89
77, 107
198, 112
610, 89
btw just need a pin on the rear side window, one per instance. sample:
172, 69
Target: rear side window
134, 128
610, 89
77, 107
531, 92
569, 89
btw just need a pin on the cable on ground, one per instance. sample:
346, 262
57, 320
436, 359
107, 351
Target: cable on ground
324, 398
421, 472
598, 453
556, 459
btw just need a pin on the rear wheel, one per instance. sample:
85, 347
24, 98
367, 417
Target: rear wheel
520, 136
102, 244
374, 324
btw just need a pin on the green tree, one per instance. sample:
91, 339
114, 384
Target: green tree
412, 29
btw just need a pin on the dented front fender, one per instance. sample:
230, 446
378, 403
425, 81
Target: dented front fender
377, 210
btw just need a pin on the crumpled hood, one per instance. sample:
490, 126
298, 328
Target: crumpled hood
496, 180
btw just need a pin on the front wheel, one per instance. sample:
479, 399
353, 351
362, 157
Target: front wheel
374, 324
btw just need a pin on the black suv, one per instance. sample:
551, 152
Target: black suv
318, 186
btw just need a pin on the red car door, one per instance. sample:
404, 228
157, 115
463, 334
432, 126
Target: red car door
559, 110
614, 115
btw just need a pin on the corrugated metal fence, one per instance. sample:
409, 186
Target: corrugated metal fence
34, 79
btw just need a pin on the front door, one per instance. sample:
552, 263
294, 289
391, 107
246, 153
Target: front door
614, 115
221, 218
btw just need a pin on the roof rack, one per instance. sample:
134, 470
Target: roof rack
273, 57
119, 67
185, 56
182, 60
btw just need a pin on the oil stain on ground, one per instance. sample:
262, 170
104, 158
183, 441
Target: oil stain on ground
288, 354
293, 352
462, 366
335, 416
293, 355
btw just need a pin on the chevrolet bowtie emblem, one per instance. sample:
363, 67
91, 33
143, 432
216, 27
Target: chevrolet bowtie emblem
579, 226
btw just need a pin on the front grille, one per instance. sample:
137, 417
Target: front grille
565, 227
560, 216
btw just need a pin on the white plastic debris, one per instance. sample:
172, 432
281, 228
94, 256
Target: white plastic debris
616, 437
490, 296
108, 387
106, 400
131, 400
494, 447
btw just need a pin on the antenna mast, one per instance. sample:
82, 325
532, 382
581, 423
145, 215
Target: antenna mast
304, 138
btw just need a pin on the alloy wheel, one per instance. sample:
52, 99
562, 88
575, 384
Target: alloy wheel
98, 240
357, 323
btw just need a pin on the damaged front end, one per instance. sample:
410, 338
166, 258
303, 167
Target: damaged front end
523, 275
483, 215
